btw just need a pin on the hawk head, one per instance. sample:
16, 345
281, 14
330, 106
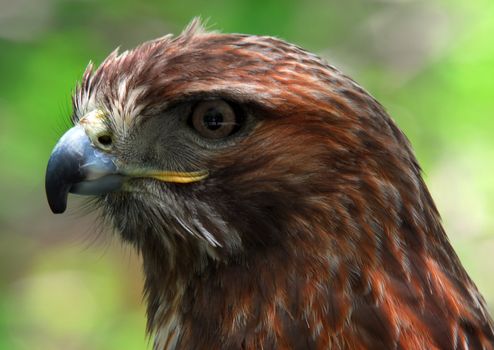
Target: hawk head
273, 200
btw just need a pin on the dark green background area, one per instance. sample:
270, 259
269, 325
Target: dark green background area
66, 283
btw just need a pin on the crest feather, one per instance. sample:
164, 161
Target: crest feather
196, 27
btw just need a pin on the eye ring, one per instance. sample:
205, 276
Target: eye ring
214, 119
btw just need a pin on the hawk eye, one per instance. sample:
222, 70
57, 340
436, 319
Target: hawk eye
214, 119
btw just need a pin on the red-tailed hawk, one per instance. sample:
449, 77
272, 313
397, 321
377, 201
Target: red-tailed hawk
274, 202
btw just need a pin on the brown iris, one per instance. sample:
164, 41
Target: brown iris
214, 119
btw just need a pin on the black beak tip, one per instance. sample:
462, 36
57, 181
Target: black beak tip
57, 194
58, 207
63, 168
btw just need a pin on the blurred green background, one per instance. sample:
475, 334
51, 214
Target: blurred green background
67, 284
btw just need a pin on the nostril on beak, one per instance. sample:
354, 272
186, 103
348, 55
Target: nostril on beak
96, 127
105, 141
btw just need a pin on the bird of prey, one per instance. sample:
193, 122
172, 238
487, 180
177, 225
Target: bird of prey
275, 203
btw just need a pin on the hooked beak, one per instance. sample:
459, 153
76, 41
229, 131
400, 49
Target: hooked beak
76, 166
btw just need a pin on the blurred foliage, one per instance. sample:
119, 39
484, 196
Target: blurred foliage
64, 286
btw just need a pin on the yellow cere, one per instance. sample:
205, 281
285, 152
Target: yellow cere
178, 177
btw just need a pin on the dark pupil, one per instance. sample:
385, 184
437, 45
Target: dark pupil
213, 119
